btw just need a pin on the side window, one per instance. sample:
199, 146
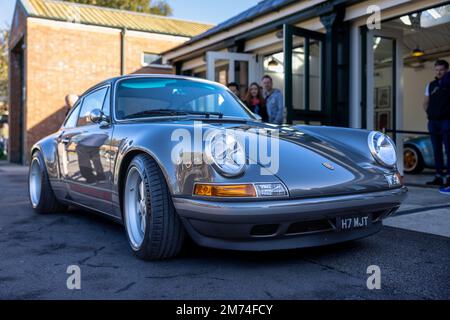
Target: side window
71, 121
90, 102
107, 105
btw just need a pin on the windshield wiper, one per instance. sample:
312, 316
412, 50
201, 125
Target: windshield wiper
152, 113
170, 112
207, 114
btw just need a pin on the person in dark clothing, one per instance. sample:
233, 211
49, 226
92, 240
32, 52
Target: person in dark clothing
235, 88
256, 102
437, 107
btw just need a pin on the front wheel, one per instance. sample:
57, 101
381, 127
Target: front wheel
154, 230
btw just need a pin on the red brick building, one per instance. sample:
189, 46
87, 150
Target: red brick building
58, 48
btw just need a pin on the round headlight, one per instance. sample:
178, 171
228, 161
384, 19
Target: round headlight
383, 149
226, 154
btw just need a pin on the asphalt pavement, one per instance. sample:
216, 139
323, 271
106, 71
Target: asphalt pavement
36, 251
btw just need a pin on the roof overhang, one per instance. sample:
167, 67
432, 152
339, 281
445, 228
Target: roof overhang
291, 12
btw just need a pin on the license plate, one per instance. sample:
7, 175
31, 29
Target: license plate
354, 222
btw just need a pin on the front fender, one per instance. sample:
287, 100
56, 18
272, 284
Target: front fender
354, 141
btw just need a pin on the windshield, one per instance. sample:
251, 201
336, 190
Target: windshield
156, 97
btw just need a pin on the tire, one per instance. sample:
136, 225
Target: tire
41, 195
158, 233
417, 164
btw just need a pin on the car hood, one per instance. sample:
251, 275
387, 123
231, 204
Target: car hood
310, 166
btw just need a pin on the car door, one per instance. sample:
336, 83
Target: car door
63, 148
88, 172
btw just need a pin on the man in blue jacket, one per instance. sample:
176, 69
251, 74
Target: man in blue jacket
437, 107
274, 101
445, 83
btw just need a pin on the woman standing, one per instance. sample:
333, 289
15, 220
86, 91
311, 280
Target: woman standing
256, 102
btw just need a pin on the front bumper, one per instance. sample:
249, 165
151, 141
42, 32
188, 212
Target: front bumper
284, 224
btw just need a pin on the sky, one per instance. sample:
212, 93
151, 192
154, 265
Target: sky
213, 11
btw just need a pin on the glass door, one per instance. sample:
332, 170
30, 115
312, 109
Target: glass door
303, 76
383, 105
226, 67
384, 94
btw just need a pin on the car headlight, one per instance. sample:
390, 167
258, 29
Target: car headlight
383, 149
226, 154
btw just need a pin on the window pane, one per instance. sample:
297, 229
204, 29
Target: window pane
92, 101
298, 77
107, 105
71, 122
150, 58
315, 78
222, 69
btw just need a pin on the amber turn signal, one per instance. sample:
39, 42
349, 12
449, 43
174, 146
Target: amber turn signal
226, 191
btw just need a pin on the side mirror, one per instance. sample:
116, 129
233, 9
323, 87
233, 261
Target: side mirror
97, 116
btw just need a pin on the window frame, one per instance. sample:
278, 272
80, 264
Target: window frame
144, 64
108, 93
77, 105
154, 65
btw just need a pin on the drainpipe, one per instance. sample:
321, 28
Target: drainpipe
122, 51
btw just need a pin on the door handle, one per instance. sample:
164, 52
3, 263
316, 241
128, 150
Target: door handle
65, 141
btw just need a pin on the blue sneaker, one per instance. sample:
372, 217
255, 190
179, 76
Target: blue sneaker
445, 191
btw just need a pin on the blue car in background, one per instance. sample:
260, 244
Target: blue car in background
418, 155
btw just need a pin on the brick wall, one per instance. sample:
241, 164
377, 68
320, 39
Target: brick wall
61, 61
137, 44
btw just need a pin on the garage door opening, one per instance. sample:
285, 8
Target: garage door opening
17, 104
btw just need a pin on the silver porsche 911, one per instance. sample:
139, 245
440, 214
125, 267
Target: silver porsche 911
170, 157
